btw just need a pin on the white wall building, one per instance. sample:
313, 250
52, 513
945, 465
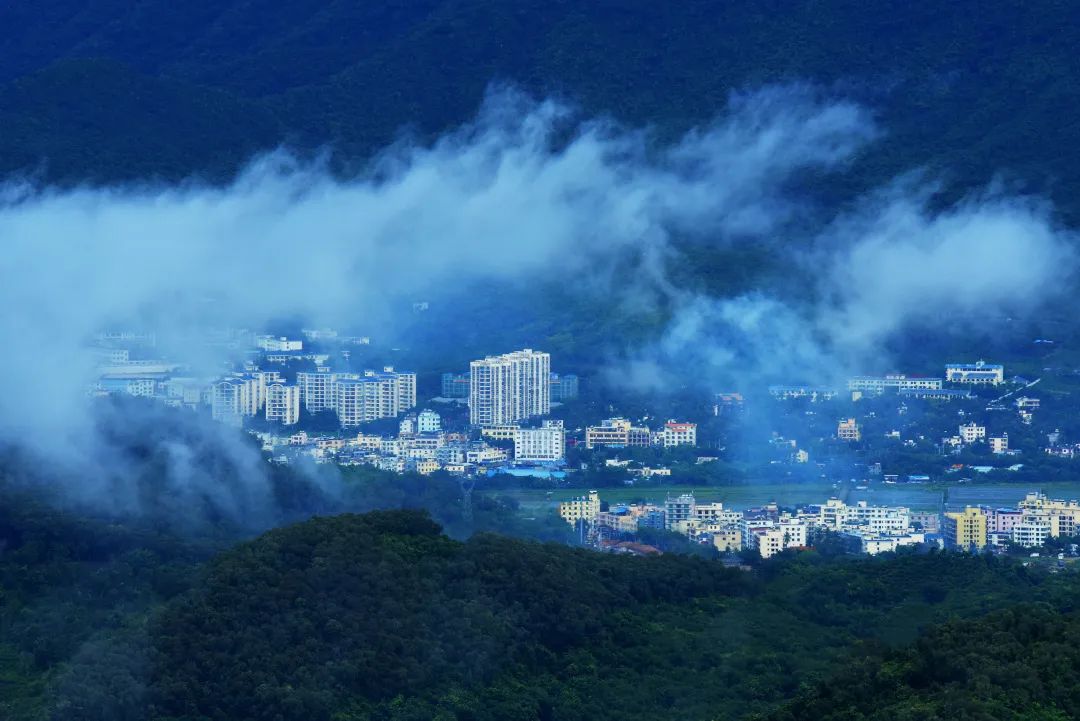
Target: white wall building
358, 398
677, 434
280, 344
283, 403
428, 421
896, 381
979, 373
544, 444
508, 388
971, 432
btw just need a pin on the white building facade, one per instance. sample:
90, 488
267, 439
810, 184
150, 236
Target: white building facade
509, 388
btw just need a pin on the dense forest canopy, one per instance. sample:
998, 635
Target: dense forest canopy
119, 90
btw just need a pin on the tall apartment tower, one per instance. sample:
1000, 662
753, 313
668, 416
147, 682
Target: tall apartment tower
509, 388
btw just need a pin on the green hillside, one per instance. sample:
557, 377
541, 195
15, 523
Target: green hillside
969, 87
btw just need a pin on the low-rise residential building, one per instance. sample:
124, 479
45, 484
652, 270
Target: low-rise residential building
972, 432
428, 421
278, 344
873, 545
848, 430
616, 433
504, 432
727, 539
999, 444
677, 434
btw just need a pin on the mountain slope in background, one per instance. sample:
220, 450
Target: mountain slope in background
968, 87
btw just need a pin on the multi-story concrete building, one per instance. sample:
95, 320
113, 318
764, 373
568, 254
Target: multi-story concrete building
283, 403
509, 388
678, 509
862, 518
617, 433
373, 395
727, 539
999, 444
564, 388
771, 537
677, 434
873, 545
1064, 515
971, 432
965, 530
500, 433
814, 393
317, 389
848, 430
455, 385
979, 373
1033, 530
233, 399
584, 508
428, 421
280, 344
877, 385
546, 444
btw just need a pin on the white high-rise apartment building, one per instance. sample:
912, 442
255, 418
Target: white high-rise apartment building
283, 403
232, 398
544, 444
358, 399
317, 389
508, 388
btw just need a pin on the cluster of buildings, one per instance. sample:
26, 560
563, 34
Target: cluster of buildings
959, 374
971, 433
871, 529
423, 446
767, 530
621, 433
1030, 524
355, 397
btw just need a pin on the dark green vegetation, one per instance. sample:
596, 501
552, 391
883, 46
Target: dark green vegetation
380, 616
1014, 665
116, 89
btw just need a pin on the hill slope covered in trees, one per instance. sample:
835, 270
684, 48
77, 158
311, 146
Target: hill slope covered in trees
94, 88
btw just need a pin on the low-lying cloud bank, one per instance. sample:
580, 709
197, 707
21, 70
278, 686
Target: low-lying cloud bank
529, 188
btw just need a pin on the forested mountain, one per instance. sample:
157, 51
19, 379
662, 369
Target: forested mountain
114, 89
382, 617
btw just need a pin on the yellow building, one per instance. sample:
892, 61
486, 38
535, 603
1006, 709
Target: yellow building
584, 508
727, 539
965, 530
617, 432
427, 467
1064, 516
